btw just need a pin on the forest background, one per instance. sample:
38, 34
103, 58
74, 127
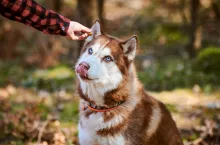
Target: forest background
178, 61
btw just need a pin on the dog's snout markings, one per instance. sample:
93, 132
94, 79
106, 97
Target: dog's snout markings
140, 119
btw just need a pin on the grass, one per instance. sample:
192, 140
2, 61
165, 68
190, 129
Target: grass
172, 108
70, 112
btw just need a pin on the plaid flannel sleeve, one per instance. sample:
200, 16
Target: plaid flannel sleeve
32, 14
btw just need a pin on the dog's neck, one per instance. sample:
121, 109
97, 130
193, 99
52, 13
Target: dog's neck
95, 108
95, 95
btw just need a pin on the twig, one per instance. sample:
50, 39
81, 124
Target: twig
197, 141
41, 131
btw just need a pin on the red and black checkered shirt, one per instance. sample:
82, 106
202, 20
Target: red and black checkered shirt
32, 14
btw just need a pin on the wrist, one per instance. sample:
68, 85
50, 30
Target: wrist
65, 26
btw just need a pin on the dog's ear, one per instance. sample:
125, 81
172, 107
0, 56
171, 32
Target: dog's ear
96, 31
129, 47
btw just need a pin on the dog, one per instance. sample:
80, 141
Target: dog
114, 108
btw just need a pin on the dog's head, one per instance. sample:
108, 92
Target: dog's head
104, 63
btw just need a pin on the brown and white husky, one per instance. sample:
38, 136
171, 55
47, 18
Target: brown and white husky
114, 108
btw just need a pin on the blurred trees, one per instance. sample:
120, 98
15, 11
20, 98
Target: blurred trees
100, 4
55, 5
216, 9
194, 41
87, 13
204, 20
199, 18
9, 39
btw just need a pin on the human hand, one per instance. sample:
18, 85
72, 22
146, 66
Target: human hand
77, 31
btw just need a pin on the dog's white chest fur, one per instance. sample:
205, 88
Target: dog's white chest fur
88, 128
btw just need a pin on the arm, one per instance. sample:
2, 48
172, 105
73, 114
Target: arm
32, 14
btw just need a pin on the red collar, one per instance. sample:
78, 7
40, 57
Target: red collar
103, 109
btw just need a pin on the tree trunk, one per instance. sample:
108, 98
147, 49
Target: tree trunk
55, 5
86, 15
58, 5
86, 12
9, 38
215, 7
194, 28
182, 8
100, 4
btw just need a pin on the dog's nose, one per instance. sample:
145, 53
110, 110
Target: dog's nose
82, 69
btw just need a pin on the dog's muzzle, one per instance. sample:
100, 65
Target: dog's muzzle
82, 69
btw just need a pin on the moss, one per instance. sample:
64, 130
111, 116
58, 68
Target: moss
208, 60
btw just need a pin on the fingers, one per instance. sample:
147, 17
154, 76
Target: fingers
73, 37
76, 31
83, 36
78, 37
85, 29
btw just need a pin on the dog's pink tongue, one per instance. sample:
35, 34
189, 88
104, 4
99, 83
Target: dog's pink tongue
82, 70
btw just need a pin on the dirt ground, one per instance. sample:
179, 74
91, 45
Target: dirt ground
31, 117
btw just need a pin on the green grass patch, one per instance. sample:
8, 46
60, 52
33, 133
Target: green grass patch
70, 112
17, 106
51, 79
44, 110
172, 108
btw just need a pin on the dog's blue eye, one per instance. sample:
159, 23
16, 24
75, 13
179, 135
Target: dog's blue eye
90, 51
107, 58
